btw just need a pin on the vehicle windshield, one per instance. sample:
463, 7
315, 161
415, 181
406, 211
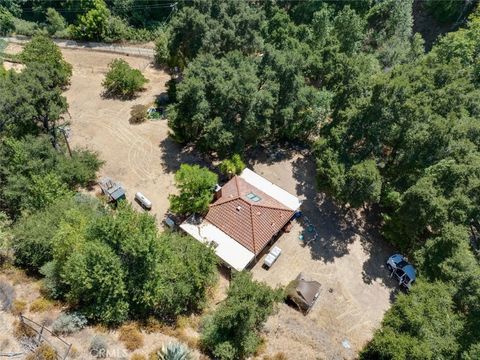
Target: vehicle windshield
402, 264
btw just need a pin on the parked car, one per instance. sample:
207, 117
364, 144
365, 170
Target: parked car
403, 271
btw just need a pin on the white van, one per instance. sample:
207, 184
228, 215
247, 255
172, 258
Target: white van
147, 204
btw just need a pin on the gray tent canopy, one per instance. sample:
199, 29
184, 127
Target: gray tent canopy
303, 292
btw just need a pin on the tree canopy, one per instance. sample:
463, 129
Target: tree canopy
232, 332
195, 185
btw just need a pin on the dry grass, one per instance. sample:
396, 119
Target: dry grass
18, 307
43, 352
277, 356
16, 276
20, 330
41, 305
74, 353
130, 336
138, 357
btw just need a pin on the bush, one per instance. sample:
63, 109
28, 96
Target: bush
22, 331
43, 352
18, 307
232, 166
69, 323
232, 332
7, 296
26, 28
162, 54
196, 185
41, 305
55, 21
174, 351
117, 30
98, 347
7, 24
131, 337
138, 357
122, 80
138, 114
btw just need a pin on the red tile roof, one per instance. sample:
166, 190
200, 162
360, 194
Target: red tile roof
251, 223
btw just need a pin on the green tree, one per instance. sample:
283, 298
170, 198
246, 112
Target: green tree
94, 278
93, 24
7, 25
363, 184
44, 51
232, 166
421, 325
232, 332
448, 10
33, 174
195, 185
55, 21
122, 80
34, 233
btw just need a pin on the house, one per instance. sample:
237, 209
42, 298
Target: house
248, 213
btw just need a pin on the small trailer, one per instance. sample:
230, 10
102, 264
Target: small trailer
143, 201
112, 190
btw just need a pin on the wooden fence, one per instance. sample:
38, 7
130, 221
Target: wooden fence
44, 335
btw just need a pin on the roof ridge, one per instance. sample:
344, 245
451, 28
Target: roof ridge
272, 207
252, 227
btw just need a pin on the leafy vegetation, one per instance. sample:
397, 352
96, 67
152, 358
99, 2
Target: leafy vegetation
232, 166
232, 332
122, 80
113, 265
196, 186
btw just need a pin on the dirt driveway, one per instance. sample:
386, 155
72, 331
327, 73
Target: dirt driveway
346, 258
141, 157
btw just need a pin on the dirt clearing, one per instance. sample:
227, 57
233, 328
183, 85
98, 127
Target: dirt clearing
346, 257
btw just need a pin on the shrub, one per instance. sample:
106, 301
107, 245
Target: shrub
122, 80
117, 30
232, 166
232, 332
27, 28
7, 296
41, 305
7, 24
43, 352
21, 330
98, 347
69, 323
55, 21
131, 337
196, 185
162, 54
138, 114
18, 307
174, 351
138, 357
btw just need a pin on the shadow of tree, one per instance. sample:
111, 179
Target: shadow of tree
329, 229
174, 154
